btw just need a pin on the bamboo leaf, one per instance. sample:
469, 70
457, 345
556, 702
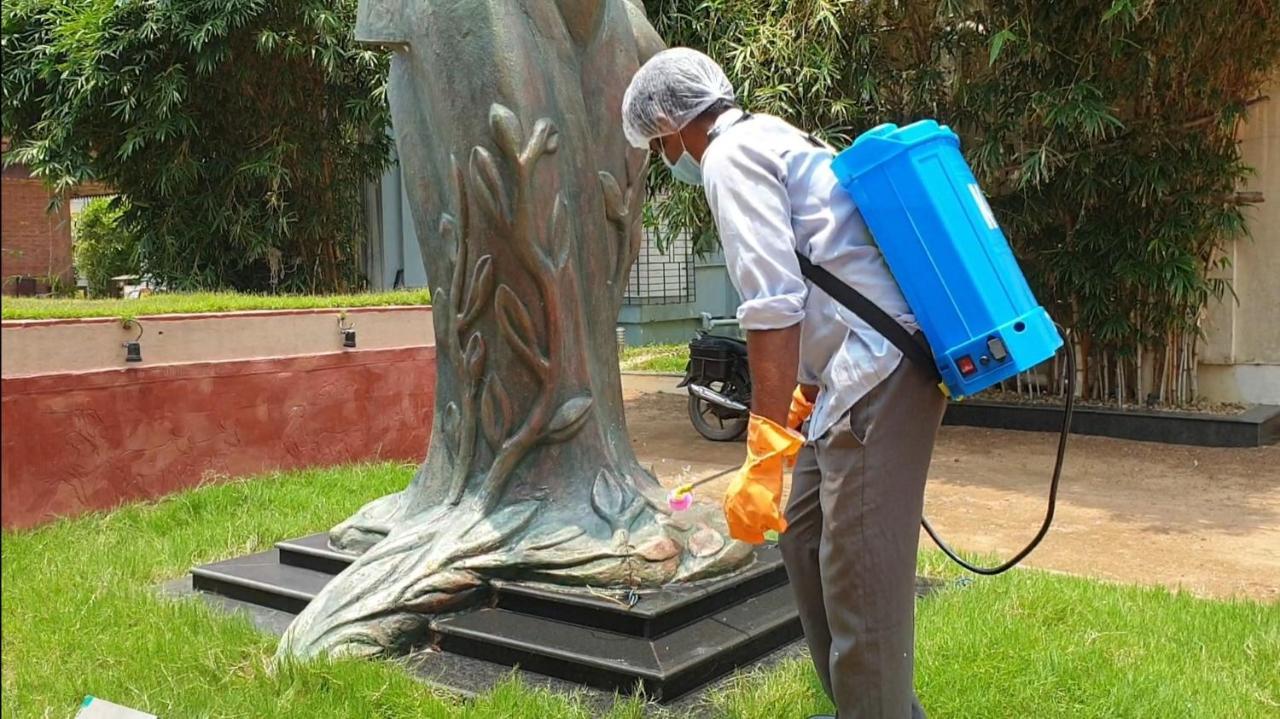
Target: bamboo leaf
1118, 7
998, 43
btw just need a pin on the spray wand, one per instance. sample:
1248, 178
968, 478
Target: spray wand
681, 498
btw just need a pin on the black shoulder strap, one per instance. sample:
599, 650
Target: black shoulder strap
915, 348
717, 131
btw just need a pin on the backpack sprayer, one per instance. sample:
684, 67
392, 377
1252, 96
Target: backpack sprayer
957, 272
942, 243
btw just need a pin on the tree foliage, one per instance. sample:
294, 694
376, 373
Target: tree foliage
241, 131
104, 247
1105, 134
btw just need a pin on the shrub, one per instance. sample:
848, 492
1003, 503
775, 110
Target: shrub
104, 247
1104, 134
241, 131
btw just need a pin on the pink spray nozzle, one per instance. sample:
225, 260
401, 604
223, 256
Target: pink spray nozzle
680, 498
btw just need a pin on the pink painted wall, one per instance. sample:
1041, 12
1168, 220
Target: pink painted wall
78, 441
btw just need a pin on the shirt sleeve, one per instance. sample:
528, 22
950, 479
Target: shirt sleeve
746, 191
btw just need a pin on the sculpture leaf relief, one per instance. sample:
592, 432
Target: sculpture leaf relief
516, 327
558, 232
495, 411
614, 207
451, 420
489, 187
475, 357
481, 291
569, 419
506, 129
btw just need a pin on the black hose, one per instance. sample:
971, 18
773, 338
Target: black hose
1053, 486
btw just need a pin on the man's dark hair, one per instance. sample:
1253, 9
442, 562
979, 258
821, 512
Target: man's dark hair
717, 108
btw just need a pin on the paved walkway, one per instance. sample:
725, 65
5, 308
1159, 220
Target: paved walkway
1204, 519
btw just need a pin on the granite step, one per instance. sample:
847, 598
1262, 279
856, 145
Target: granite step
261, 579
313, 552
665, 667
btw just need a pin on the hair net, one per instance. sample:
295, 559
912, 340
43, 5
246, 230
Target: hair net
669, 91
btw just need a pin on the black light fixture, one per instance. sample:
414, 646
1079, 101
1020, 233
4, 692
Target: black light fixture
347, 330
133, 350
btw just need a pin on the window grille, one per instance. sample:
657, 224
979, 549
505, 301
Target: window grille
659, 278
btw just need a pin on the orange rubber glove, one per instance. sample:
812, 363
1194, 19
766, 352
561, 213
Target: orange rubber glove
751, 504
800, 410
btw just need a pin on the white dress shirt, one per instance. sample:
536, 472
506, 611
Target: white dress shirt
772, 192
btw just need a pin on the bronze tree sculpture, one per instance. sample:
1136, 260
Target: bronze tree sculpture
528, 202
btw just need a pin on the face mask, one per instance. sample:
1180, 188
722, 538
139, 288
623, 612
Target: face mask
685, 169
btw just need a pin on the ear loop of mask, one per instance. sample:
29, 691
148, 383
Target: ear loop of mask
686, 169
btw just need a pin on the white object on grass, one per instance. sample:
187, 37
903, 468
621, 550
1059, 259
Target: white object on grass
95, 708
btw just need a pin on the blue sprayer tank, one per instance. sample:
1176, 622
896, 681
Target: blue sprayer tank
942, 243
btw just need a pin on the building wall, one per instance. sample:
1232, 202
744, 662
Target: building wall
713, 295
1240, 358
33, 241
392, 248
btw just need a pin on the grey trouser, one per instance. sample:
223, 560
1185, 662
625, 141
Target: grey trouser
850, 547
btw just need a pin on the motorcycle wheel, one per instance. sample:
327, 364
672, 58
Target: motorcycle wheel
710, 425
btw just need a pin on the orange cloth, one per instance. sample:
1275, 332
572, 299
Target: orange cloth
751, 504
800, 410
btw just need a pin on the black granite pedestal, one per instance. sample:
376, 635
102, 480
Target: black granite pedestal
664, 642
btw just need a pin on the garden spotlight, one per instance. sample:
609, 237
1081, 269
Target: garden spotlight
133, 350
348, 331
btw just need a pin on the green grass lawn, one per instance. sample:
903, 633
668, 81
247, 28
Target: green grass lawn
81, 616
655, 358
30, 308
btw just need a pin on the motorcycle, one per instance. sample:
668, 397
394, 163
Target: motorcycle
719, 381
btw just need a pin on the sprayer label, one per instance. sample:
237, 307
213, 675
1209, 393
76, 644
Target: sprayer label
983, 207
